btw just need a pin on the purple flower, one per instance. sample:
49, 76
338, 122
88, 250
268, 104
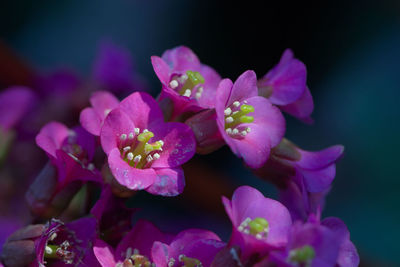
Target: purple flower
259, 223
71, 153
285, 86
304, 177
249, 124
114, 70
189, 84
15, 103
92, 118
193, 247
143, 151
134, 249
67, 244
325, 244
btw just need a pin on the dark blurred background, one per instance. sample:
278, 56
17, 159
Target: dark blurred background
352, 53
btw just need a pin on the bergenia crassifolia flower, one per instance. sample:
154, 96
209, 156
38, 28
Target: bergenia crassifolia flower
134, 249
190, 84
249, 123
304, 177
71, 152
285, 86
143, 151
92, 118
67, 244
259, 223
192, 247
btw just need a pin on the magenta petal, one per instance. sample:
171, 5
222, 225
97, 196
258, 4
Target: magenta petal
228, 208
320, 159
51, 137
103, 102
244, 87
348, 256
161, 69
203, 250
287, 79
15, 102
268, 116
141, 237
135, 179
302, 108
86, 141
319, 180
160, 254
142, 109
254, 148
212, 79
169, 182
181, 58
104, 253
179, 144
115, 124
90, 121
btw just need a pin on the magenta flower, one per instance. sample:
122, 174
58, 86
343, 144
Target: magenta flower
71, 153
92, 118
66, 244
189, 84
134, 249
249, 124
143, 151
304, 177
193, 247
15, 103
285, 86
259, 223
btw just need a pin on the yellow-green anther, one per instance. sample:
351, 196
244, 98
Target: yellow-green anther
50, 252
152, 147
303, 254
247, 108
145, 137
258, 225
189, 262
194, 78
246, 119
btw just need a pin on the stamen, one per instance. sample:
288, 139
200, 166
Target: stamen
156, 156
302, 255
229, 120
248, 129
137, 158
228, 131
198, 95
187, 93
236, 103
173, 84
131, 136
235, 131
129, 156
90, 167
149, 158
48, 250
123, 137
257, 227
137, 131
227, 111
127, 148
243, 133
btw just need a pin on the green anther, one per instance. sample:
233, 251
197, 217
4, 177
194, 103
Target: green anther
247, 109
303, 254
194, 78
246, 119
152, 147
190, 262
258, 225
145, 137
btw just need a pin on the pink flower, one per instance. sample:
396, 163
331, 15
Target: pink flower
249, 123
285, 86
193, 247
259, 223
92, 118
189, 84
134, 249
143, 151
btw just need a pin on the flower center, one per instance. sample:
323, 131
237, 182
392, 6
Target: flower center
258, 227
303, 255
136, 149
235, 115
188, 84
76, 152
134, 260
62, 252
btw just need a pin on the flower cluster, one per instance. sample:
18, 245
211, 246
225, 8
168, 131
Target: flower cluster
127, 141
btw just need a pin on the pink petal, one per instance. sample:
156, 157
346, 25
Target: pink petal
102, 101
319, 159
302, 108
104, 253
319, 180
91, 121
115, 124
142, 109
181, 58
244, 87
179, 144
169, 182
161, 69
51, 137
135, 179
